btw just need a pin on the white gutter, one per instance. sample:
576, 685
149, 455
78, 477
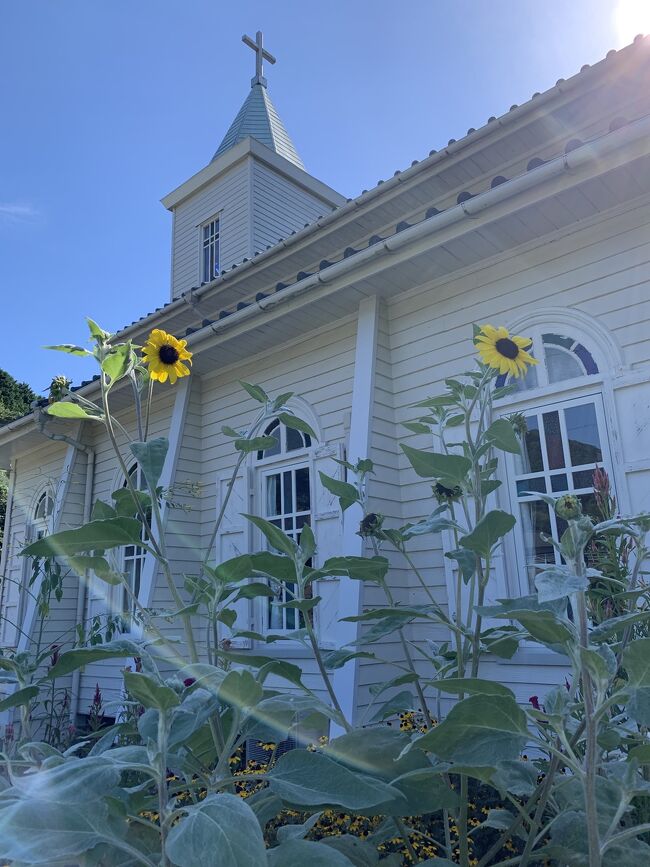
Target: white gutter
467, 210
505, 120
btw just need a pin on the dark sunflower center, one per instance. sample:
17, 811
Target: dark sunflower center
506, 347
168, 354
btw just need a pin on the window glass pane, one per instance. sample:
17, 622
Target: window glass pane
557, 340
562, 364
523, 383
535, 520
532, 458
537, 485
288, 525
582, 431
589, 506
583, 479
287, 483
294, 440
553, 437
273, 496
586, 358
559, 482
303, 496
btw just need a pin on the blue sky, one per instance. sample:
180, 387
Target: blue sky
107, 105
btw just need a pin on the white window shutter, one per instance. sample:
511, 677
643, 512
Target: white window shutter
327, 524
233, 539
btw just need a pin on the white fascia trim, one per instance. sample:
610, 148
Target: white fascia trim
634, 134
176, 427
451, 219
251, 147
345, 679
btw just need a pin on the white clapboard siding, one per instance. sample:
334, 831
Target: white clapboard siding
280, 206
228, 197
327, 525
234, 539
256, 206
36, 472
601, 268
319, 368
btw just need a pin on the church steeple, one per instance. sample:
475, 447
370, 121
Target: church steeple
258, 117
253, 192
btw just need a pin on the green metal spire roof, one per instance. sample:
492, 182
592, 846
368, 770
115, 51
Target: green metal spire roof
259, 119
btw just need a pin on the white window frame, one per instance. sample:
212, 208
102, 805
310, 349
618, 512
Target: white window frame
518, 584
263, 468
38, 527
213, 240
125, 606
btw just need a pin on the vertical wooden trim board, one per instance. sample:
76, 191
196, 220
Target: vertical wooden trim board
345, 678
176, 427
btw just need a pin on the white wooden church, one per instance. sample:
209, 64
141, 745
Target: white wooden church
538, 220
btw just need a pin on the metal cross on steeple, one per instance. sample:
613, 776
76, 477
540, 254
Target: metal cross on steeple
261, 54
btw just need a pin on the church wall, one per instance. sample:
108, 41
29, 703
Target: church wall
280, 207
227, 196
35, 472
102, 598
601, 268
384, 498
184, 515
319, 368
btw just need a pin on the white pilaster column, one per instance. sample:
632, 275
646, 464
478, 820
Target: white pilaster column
345, 680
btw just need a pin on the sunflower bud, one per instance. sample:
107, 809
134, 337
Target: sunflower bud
445, 495
59, 388
370, 526
568, 507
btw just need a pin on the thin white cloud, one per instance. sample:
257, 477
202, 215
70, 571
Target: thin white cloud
14, 212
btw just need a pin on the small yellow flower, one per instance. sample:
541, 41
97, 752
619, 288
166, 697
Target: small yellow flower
165, 355
504, 352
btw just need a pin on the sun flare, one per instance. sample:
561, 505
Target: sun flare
631, 17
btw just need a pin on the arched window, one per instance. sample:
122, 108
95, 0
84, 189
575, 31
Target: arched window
42, 514
284, 488
566, 438
287, 440
560, 358
132, 556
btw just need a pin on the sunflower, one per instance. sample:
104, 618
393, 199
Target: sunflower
503, 352
165, 356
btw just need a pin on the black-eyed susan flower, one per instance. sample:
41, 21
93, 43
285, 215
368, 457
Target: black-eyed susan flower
164, 354
504, 352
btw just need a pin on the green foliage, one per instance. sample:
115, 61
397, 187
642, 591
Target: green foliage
15, 400
168, 785
222, 825
15, 397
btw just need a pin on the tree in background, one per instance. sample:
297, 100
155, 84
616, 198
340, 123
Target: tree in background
15, 400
